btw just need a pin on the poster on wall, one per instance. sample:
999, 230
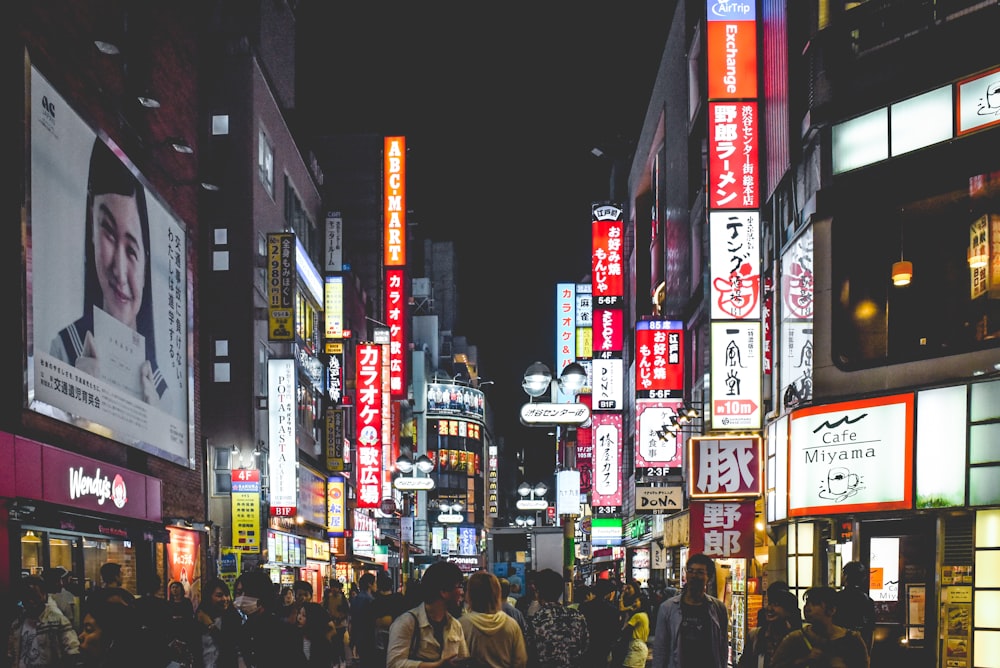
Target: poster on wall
108, 292
184, 562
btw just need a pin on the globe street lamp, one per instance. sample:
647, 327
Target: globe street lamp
408, 485
537, 381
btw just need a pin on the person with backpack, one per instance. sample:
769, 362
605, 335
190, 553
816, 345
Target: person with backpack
427, 636
373, 641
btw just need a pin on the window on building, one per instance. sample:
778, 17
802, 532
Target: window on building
265, 162
222, 465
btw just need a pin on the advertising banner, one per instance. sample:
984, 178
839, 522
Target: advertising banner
607, 265
732, 50
658, 441
280, 286
727, 466
723, 529
565, 327
333, 307
659, 359
368, 424
732, 155
396, 317
796, 352
735, 265
283, 453
606, 486
107, 348
184, 561
394, 194
736, 384
851, 457
246, 510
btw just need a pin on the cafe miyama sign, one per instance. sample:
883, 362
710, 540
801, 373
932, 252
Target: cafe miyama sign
851, 457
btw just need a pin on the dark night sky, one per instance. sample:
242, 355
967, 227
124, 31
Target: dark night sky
501, 105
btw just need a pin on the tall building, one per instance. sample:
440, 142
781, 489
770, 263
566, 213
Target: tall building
101, 432
817, 180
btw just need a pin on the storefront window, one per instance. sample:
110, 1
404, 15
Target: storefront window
31, 553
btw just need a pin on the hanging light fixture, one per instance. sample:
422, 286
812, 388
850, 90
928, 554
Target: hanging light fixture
902, 271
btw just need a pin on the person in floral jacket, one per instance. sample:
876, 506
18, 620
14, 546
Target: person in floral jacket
42, 635
556, 636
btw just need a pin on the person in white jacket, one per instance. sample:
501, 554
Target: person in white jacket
427, 636
494, 637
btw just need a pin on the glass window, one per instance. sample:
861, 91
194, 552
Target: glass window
265, 162
984, 443
984, 485
876, 323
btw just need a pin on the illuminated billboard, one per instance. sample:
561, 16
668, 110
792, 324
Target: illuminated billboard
108, 301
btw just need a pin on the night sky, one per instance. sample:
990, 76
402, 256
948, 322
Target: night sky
501, 105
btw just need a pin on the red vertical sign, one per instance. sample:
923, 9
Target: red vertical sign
368, 424
395, 317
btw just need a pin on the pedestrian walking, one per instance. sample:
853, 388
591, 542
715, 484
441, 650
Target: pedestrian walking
111, 637
781, 617
264, 641
557, 636
427, 633
601, 615
42, 635
692, 628
339, 609
317, 636
494, 638
855, 608
220, 623
820, 643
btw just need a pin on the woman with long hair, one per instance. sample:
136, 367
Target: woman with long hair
220, 623
781, 617
318, 636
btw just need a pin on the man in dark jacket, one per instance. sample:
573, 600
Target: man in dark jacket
601, 613
855, 608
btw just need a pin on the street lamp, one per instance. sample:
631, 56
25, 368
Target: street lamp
525, 520
451, 513
537, 381
407, 486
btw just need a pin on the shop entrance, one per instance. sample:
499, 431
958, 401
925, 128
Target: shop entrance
900, 555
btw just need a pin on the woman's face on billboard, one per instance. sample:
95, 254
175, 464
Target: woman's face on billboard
120, 255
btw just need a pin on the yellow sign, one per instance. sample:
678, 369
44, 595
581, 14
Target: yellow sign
246, 510
280, 286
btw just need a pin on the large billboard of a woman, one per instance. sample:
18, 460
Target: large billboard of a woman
108, 304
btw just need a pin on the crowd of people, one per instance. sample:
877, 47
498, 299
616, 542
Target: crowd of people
446, 619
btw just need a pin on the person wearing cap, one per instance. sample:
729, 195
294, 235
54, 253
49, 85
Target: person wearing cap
781, 617
55, 585
855, 608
